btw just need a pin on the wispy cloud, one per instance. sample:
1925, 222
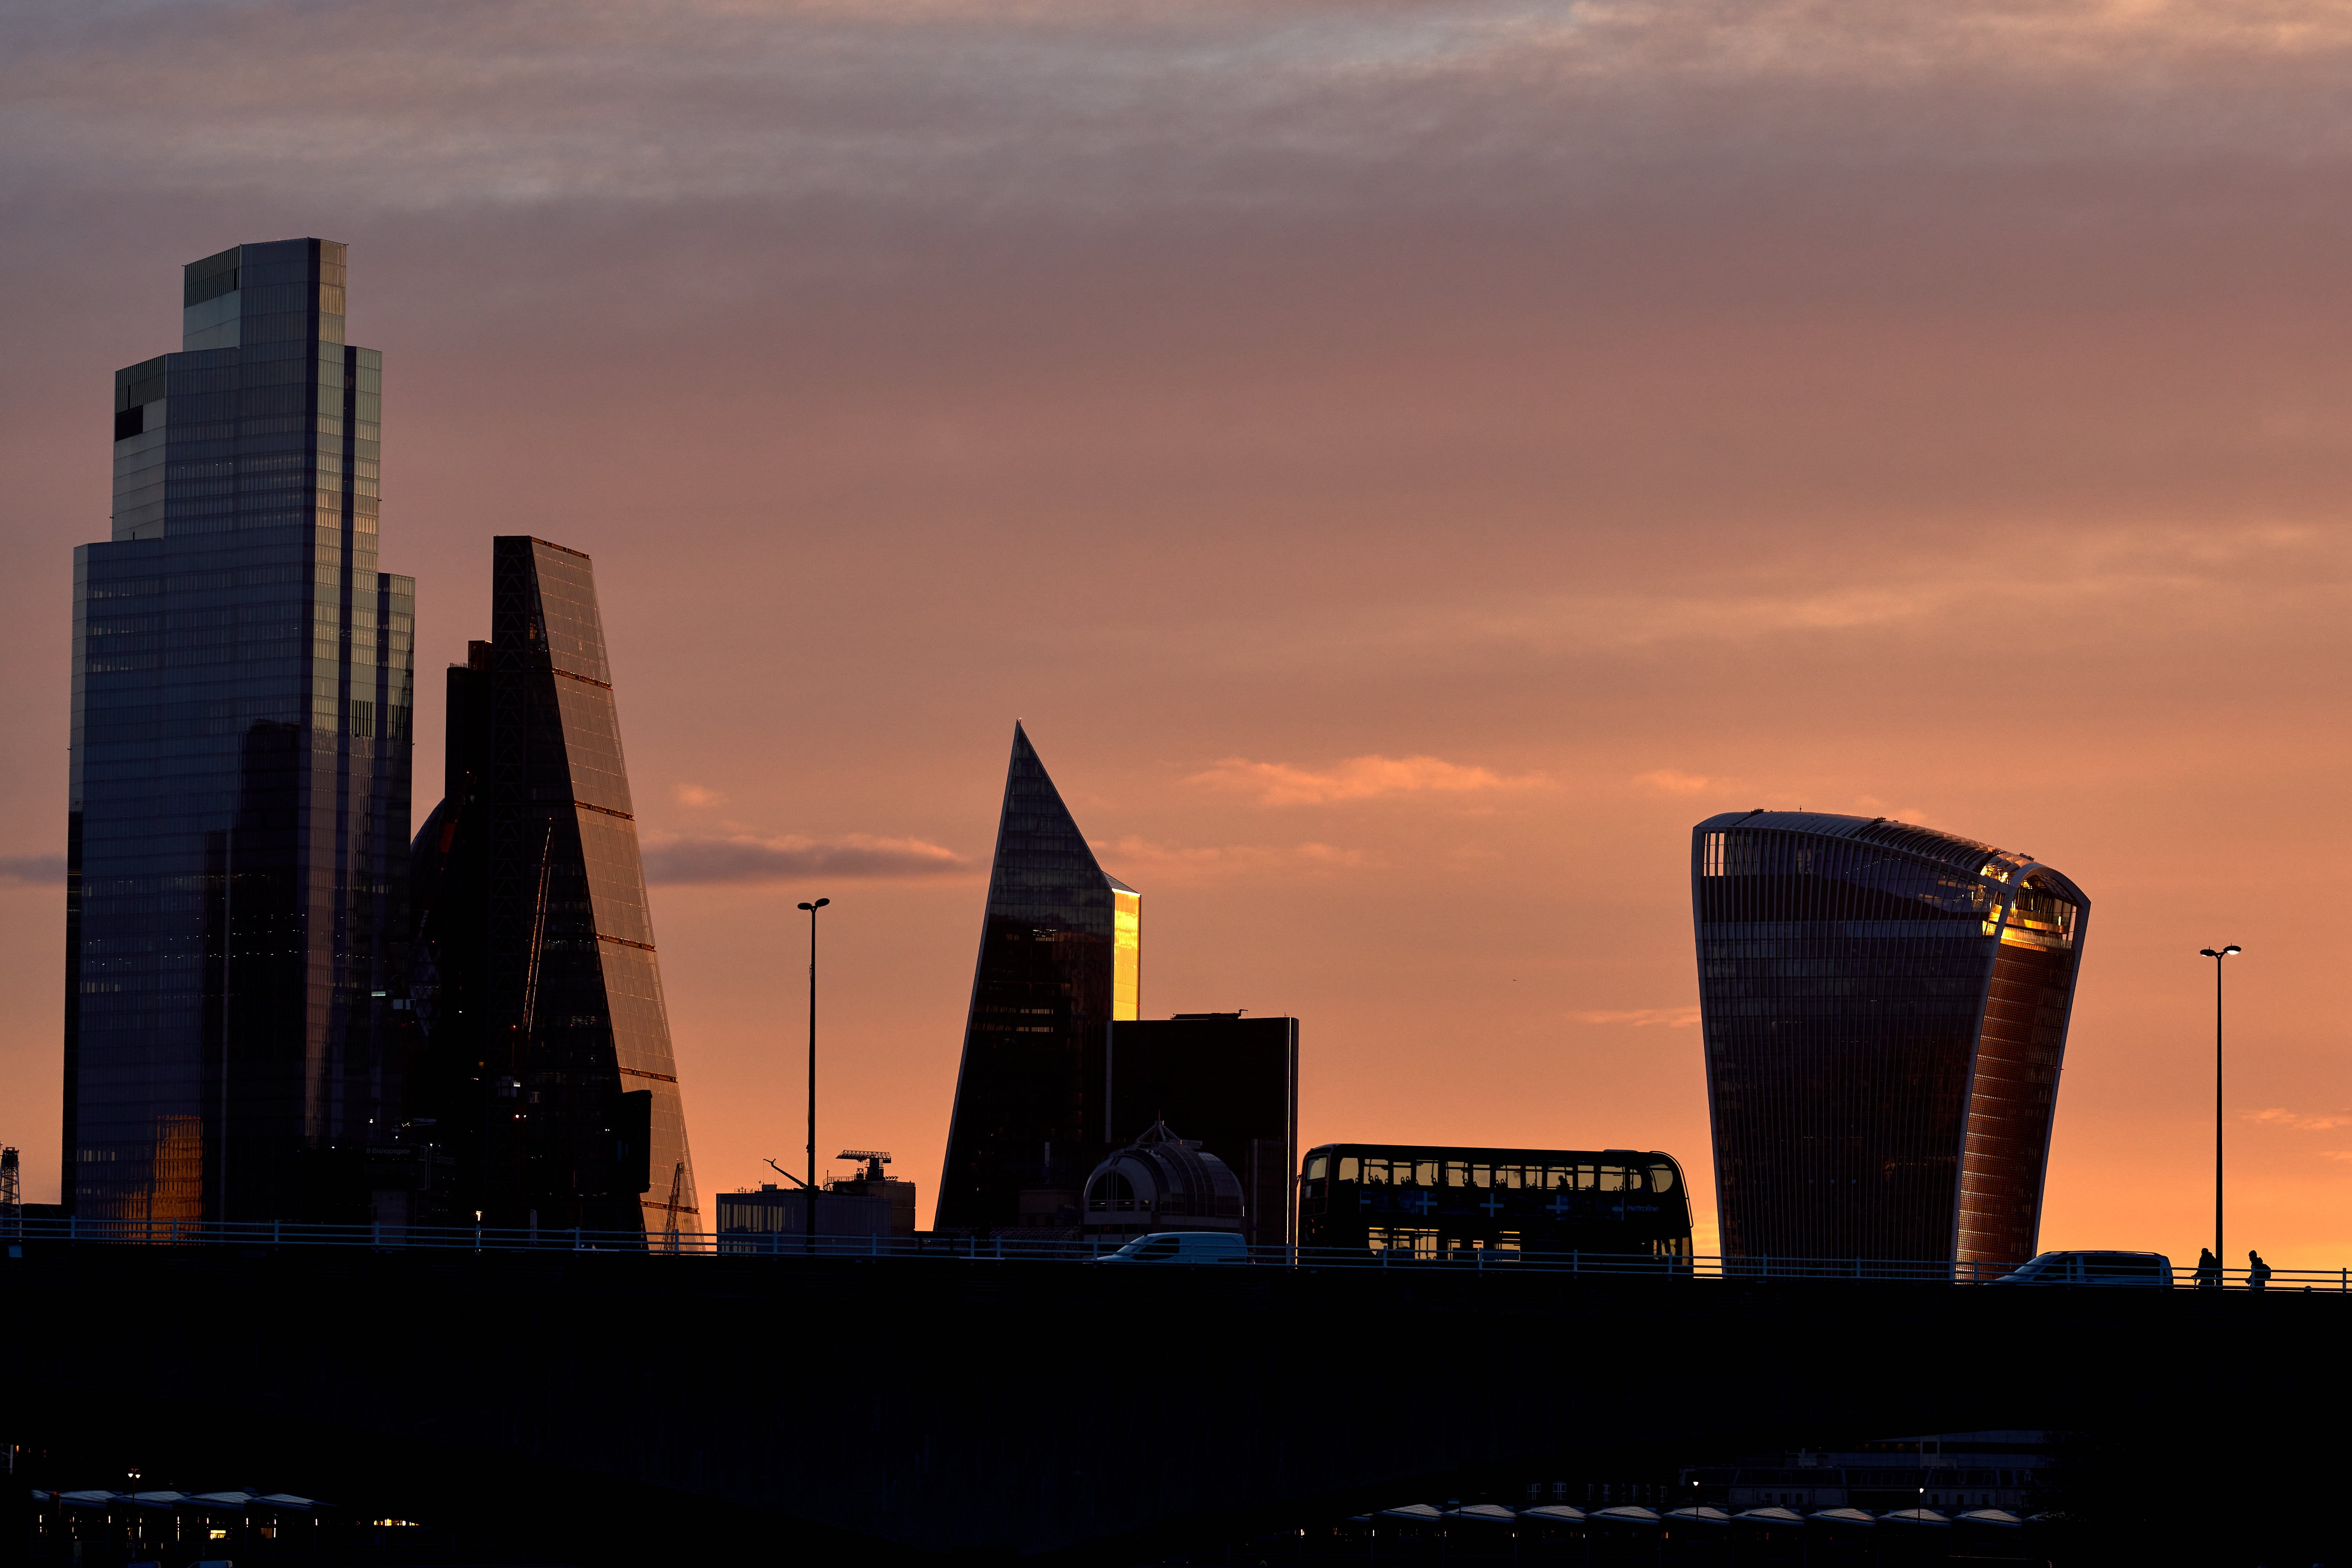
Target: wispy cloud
1357, 778
1643, 1017
2299, 1120
747, 858
1667, 781
1146, 864
32, 869
696, 794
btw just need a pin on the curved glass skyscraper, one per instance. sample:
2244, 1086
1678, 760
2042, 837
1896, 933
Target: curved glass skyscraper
1885, 1012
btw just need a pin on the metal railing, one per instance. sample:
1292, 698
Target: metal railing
253, 1233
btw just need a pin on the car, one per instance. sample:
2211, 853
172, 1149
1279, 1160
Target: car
1181, 1246
2145, 1270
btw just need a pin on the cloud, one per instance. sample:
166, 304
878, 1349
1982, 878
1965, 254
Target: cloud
746, 858
32, 870
1666, 781
1146, 864
1359, 778
697, 794
1643, 1017
2297, 1120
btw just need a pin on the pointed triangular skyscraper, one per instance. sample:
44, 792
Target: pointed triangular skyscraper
1058, 961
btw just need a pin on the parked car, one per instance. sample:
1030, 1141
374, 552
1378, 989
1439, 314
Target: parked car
2148, 1270
1182, 1246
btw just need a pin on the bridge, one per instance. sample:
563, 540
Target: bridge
925, 1406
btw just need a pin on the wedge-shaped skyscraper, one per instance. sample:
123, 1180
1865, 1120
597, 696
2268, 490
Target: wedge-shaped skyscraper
1059, 960
1885, 1013
237, 829
547, 1069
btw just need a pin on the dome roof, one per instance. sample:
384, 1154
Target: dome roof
1162, 1182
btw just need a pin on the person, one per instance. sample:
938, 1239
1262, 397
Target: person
2209, 1269
2258, 1273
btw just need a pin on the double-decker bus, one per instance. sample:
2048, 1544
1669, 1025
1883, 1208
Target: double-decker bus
1436, 1201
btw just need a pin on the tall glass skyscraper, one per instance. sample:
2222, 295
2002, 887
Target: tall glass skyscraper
237, 829
1060, 958
547, 1070
1885, 1013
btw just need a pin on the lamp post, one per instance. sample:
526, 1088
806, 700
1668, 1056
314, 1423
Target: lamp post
2220, 1258
808, 1188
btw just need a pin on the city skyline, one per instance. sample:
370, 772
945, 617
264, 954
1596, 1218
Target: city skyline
1405, 475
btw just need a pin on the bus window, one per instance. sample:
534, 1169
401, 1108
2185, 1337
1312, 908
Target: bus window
1482, 1175
1661, 1178
1457, 1173
1632, 1178
1558, 1176
1426, 1174
1317, 1164
1584, 1178
1346, 1167
1376, 1173
1612, 1178
1506, 1176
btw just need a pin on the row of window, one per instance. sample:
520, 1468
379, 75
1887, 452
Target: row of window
1412, 1171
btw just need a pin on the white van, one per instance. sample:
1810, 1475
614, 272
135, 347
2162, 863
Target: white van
1181, 1246
2147, 1270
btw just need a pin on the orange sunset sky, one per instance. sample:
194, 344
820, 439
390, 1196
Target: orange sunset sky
1405, 463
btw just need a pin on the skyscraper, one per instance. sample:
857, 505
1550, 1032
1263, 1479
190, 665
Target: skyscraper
237, 827
1885, 1014
546, 1068
1059, 959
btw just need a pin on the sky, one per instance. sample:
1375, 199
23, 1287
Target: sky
1403, 464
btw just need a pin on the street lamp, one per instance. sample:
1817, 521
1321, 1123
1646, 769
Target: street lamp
808, 1188
2220, 1258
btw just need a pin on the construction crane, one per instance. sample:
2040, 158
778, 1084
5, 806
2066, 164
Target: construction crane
677, 1193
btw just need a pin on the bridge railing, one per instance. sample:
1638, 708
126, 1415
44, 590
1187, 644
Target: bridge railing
970, 1249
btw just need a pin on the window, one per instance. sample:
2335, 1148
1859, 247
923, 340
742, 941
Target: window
1711, 856
1159, 1246
1113, 1194
1426, 1172
1347, 1167
1661, 1178
363, 718
1317, 1164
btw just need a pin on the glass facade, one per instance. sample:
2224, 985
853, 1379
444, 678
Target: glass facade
1885, 1014
1060, 955
547, 1073
237, 827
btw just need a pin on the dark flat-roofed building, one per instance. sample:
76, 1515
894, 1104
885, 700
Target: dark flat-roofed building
1227, 1082
1884, 1010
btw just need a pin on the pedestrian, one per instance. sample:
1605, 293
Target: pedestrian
2258, 1273
2209, 1269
